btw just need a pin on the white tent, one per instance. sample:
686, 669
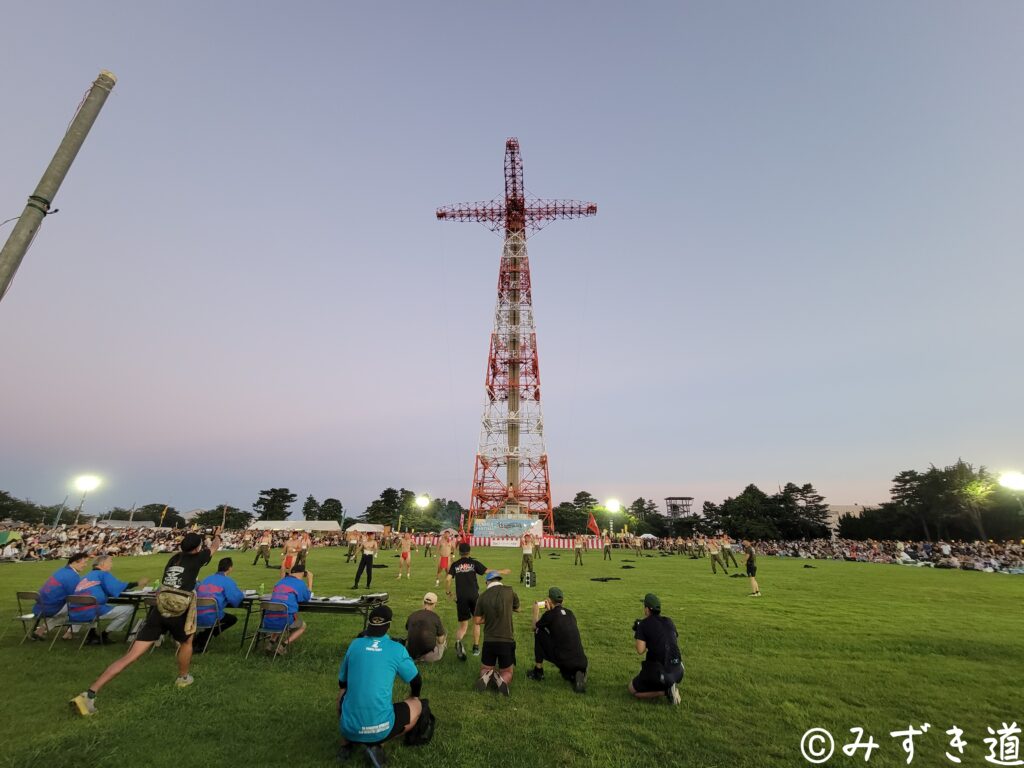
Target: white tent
648, 536
125, 524
365, 528
328, 526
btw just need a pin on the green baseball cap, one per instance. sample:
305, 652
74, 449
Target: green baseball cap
651, 601
556, 594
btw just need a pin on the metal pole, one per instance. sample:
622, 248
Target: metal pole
39, 202
80, 504
60, 511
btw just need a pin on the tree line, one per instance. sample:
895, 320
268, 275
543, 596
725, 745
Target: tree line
953, 502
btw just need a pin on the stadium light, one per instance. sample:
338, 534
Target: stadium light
1012, 480
613, 506
423, 501
85, 483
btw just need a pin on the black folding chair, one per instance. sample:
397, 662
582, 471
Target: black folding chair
82, 602
269, 606
208, 602
26, 601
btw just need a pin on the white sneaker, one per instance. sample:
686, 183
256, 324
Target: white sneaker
184, 682
83, 705
673, 694
437, 583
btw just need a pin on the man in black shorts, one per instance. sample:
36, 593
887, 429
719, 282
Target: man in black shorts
366, 713
662, 669
751, 561
175, 613
464, 572
494, 612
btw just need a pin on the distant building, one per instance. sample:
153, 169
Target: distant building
678, 506
835, 511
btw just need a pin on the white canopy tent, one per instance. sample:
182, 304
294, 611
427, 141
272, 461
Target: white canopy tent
365, 528
323, 526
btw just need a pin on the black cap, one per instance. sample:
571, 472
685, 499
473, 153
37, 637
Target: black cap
191, 541
380, 621
464, 548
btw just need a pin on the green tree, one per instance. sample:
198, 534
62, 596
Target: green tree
234, 518
331, 509
273, 504
801, 513
154, 512
392, 504
311, 508
568, 519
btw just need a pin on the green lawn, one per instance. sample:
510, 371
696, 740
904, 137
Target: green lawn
836, 646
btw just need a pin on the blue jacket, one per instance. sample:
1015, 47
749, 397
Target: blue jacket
221, 588
101, 585
54, 593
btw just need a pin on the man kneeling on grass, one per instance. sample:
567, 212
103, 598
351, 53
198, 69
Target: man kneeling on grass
662, 669
557, 639
366, 712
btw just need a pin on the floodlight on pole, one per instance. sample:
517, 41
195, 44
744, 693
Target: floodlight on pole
1014, 481
423, 501
85, 483
613, 506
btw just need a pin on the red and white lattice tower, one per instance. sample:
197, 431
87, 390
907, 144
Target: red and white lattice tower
511, 472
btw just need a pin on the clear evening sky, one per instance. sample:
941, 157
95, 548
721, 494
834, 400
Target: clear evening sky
806, 263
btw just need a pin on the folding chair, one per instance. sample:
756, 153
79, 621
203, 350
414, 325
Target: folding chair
208, 602
270, 607
81, 602
26, 601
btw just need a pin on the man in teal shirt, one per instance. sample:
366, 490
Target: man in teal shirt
365, 679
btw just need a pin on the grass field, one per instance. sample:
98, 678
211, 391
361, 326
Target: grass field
836, 646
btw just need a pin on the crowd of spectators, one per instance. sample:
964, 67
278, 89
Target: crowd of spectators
987, 556
34, 542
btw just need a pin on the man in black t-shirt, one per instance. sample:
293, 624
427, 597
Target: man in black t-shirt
464, 572
177, 589
557, 639
662, 668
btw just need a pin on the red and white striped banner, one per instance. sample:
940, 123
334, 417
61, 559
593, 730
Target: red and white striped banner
548, 542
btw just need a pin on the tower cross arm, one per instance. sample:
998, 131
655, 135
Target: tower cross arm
538, 211
534, 213
490, 212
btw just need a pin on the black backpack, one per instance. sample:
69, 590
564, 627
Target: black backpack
423, 731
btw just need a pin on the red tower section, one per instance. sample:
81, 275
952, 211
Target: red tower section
511, 470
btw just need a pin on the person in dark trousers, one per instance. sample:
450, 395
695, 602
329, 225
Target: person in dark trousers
662, 668
366, 561
557, 639
263, 552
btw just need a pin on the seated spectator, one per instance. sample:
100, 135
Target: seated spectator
102, 584
222, 588
366, 712
53, 595
293, 589
427, 639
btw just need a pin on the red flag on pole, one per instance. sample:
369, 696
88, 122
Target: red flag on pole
592, 525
